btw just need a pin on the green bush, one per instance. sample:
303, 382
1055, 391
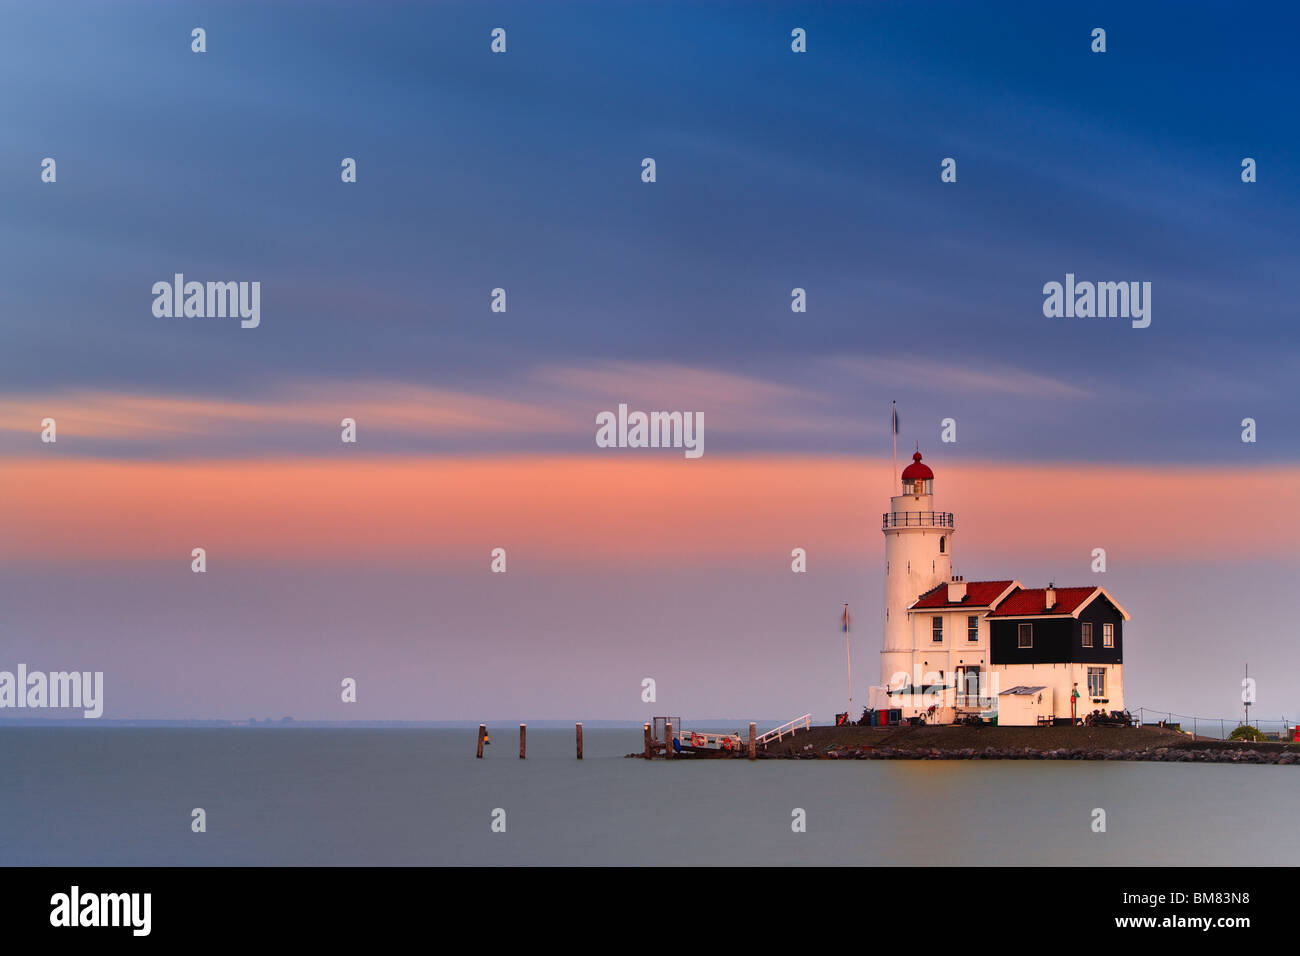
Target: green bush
1247, 732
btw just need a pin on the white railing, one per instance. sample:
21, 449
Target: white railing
789, 727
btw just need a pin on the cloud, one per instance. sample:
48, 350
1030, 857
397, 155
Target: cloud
1013, 518
557, 401
684, 385
129, 416
987, 379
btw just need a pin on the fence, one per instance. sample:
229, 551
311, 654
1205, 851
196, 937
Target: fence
789, 727
659, 731
1218, 727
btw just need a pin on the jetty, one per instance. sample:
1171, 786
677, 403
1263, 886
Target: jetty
668, 737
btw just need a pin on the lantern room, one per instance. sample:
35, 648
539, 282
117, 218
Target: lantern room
918, 479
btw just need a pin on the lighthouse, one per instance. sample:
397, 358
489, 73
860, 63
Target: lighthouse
918, 558
958, 650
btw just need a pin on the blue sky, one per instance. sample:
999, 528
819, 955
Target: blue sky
775, 171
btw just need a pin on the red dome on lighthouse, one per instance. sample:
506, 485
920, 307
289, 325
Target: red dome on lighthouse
917, 471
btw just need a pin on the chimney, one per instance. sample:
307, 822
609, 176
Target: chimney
1050, 596
956, 590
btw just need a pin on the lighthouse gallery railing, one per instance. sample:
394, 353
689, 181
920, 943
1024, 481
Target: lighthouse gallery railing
916, 519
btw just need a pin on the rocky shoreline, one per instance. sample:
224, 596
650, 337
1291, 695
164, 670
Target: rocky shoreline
1159, 754
988, 742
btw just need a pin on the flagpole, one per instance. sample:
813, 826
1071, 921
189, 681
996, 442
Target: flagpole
893, 428
848, 657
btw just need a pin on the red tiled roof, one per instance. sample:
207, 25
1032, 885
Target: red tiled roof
978, 594
1031, 601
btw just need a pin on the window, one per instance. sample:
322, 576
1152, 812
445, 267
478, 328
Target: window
1026, 635
972, 628
1087, 634
941, 541
936, 628
1096, 682
1108, 635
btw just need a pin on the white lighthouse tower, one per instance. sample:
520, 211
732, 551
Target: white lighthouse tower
918, 557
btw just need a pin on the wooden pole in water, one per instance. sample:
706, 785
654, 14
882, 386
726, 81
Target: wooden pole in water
523, 741
482, 732
649, 747
579, 740
753, 728
668, 740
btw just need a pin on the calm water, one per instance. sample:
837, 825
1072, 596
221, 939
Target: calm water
301, 796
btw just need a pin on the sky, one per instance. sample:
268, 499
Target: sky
476, 429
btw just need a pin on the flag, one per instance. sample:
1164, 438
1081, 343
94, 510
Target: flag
895, 414
844, 620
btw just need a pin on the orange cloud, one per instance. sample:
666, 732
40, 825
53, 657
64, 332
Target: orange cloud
599, 509
411, 408
551, 400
